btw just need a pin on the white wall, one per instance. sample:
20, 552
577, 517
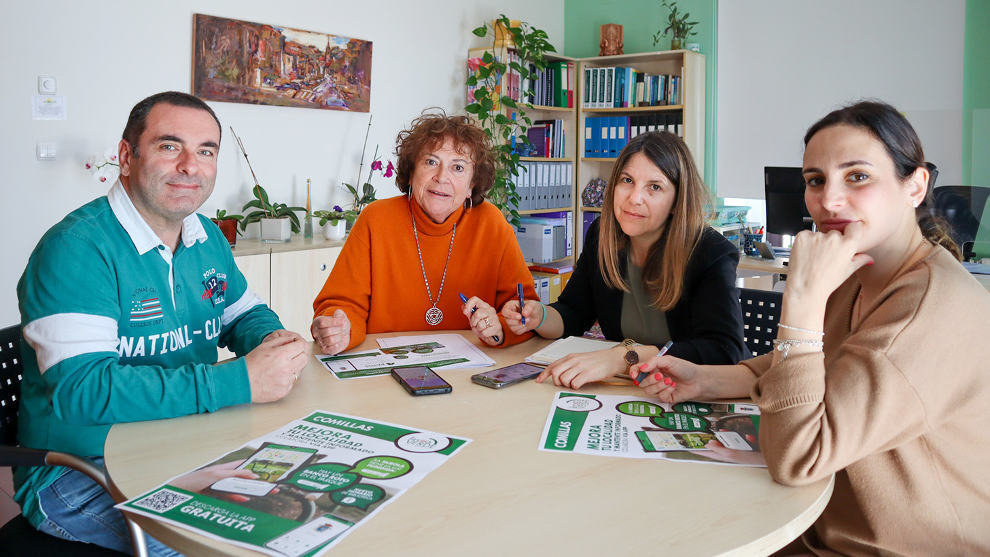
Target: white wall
108, 55
783, 64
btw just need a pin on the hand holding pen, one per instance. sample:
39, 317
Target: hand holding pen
483, 319
672, 379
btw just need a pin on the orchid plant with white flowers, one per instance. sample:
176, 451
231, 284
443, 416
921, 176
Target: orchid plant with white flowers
106, 167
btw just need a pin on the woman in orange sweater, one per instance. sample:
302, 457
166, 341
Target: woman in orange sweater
408, 258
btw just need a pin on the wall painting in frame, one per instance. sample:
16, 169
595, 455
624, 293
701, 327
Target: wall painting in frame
255, 63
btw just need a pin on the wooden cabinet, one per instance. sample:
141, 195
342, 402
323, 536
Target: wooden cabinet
296, 278
287, 277
257, 271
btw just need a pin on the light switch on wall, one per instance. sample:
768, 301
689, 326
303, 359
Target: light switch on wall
47, 85
46, 151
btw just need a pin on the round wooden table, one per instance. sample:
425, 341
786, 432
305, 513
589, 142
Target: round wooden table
500, 495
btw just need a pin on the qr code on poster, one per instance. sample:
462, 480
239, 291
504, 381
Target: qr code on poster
162, 501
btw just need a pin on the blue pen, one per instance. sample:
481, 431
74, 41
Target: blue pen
521, 301
474, 309
644, 374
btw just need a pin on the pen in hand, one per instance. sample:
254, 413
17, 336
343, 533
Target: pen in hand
464, 299
519, 290
644, 374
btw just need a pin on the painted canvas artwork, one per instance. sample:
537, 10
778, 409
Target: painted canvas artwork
245, 62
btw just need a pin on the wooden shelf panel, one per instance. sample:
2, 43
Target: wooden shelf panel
552, 210
598, 159
546, 159
627, 109
544, 108
591, 209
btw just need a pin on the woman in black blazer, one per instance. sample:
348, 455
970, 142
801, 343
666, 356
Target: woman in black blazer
651, 271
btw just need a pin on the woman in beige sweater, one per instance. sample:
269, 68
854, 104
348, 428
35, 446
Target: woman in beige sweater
881, 372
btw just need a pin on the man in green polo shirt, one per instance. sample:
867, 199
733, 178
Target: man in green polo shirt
123, 305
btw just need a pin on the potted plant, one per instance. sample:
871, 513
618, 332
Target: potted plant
507, 134
677, 25
335, 222
228, 225
278, 220
363, 194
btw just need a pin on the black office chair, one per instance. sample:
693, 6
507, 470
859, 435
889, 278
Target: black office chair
962, 208
18, 537
761, 311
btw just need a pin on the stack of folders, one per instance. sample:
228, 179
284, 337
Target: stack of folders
549, 279
545, 239
606, 136
545, 185
548, 138
625, 87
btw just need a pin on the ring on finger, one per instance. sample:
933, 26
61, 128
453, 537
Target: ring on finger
486, 322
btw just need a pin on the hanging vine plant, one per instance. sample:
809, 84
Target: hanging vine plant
503, 118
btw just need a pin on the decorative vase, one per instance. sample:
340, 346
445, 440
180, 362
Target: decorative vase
675, 43
275, 230
229, 229
335, 231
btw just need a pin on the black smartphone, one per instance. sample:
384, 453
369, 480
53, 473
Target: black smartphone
421, 380
509, 375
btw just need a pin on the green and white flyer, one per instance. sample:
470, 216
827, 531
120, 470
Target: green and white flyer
445, 351
632, 427
300, 489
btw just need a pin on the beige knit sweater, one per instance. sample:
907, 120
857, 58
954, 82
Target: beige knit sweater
898, 409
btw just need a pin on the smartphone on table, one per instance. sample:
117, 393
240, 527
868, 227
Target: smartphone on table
505, 376
421, 380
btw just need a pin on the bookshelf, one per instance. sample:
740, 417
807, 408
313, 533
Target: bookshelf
689, 109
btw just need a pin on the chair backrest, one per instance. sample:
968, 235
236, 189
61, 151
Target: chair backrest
962, 207
11, 371
761, 311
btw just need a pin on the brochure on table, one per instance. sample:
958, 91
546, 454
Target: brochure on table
300, 489
633, 427
448, 351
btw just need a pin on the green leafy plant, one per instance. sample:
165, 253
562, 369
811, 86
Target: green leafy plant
677, 25
223, 215
334, 216
490, 105
264, 209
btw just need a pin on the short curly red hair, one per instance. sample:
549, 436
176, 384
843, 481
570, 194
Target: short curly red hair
430, 130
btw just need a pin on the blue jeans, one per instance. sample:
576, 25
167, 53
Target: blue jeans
78, 509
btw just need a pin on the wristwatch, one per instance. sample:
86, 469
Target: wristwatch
631, 356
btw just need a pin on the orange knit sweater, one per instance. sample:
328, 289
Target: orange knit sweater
378, 281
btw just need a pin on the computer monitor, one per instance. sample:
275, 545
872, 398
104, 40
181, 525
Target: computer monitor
786, 212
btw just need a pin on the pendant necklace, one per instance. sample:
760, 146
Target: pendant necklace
433, 315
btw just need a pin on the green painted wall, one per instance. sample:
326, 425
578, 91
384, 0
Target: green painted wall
976, 94
640, 19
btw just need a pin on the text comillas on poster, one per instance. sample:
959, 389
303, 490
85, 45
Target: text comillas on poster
300, 489
633, 427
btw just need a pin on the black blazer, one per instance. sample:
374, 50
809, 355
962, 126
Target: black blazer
706, 323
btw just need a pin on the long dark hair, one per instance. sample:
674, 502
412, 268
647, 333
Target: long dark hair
891, 128
667, 259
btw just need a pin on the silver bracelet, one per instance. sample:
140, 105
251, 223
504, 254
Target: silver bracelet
800, 330
784, 345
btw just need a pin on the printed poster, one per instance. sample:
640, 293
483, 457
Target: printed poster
302, 488
633, 427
